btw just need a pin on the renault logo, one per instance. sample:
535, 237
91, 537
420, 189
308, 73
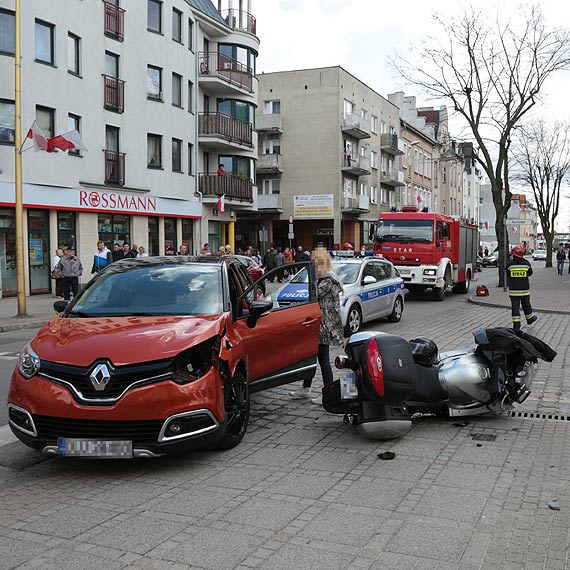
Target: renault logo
100, 377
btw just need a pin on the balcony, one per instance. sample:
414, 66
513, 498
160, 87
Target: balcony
359, 166
392, 177
114, 167
240, 21
355, 126
272, 202
114, 21
215, 129
269, 123
268, 163
355, 205
391, 144
114, 94
221, 74
230, 186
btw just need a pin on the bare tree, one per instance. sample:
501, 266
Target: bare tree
542, 155
492, 70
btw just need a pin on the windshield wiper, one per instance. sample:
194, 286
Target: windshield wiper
81, 314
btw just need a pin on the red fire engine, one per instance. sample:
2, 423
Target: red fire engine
431, 251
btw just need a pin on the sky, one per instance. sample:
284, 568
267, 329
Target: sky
360, 35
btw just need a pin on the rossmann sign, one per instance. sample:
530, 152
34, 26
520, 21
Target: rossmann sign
114, 201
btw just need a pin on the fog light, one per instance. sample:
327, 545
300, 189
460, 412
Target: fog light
174, 428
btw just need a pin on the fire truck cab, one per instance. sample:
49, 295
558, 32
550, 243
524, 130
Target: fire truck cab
431, 251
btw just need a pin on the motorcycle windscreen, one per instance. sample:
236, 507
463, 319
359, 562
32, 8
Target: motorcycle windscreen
388, 369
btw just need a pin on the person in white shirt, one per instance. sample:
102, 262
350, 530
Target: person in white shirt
55, 274
142, 252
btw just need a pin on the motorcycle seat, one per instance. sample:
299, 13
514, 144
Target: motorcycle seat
428, 388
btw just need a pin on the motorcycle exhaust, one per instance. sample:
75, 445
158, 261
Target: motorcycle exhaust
342, 361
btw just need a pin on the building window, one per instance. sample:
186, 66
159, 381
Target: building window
45, 118
383, 127
111, 64
384, 195
190, 34
374, 123
374, 194
176, 25
7, 121
176, 155
271, 186
364, 114
73, 54
374, 159
154, 151
190, 159
44, 42
363, 189
272, 145
154, 82
7, 32
177, 90
272, 107
66, 229
190, 97
154, 13
74, 124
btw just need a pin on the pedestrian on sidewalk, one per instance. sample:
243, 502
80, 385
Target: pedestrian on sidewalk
560, 257
102, 257
71, 269
56, 273
331, 332
518, 272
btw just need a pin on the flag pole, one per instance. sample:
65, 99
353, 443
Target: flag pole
21, 283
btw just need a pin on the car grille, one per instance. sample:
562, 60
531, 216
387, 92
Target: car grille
122, 378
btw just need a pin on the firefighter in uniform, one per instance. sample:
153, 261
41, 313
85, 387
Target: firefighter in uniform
518, 272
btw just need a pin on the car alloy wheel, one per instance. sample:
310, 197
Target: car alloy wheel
353, 321
236, 403
396, 311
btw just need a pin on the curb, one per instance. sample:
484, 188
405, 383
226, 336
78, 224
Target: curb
23, 324
476, 301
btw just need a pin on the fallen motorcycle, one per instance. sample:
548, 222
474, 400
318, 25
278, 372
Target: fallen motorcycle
389, 379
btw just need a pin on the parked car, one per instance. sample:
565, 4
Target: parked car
539, 255
156, 355
491, 260
372, 289
479, 263
253, 268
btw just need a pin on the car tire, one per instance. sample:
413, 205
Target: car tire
463, 288
397, 311
353, 320
236, 403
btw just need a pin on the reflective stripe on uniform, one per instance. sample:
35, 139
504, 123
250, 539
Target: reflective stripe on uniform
518, 293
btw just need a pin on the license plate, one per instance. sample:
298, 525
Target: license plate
71, 447
404, 271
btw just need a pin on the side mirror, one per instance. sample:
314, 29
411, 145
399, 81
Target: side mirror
368, 280
256, 310
59, 306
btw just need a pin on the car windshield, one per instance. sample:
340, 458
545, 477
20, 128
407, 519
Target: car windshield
185, 289
405, 231
300, 277
348, 272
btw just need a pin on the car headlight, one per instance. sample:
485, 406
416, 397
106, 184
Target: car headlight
28, 362
193, 363
430, 272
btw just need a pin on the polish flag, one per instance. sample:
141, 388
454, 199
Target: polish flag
68, 141
40, 140
221, 203
419, 199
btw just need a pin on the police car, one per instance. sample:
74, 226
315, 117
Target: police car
373, 289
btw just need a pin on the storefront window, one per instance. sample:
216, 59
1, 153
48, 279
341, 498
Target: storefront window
38, 248
170, 233
214, 236
153, 236
187, 228
114, 228
8, 252
66, 230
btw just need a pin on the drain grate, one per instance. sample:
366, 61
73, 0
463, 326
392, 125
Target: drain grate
537, 416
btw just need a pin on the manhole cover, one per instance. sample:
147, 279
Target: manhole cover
484, 437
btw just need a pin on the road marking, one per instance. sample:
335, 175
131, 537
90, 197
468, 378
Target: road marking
6, 436
9, 355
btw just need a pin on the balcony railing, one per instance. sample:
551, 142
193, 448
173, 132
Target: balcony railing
239, 20
359, 165
230, 186
270, 123
215, 64
270, 202
270, 163
392, 177
389, 143
225, 127
355, 125
360, 203
114, 96
114, 21
114, 167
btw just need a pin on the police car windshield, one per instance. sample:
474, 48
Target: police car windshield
405, 231
348, 272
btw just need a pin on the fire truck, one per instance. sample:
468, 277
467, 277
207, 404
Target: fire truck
431, 251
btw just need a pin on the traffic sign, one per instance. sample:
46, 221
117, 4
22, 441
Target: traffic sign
517, 222
291, 235
290, 219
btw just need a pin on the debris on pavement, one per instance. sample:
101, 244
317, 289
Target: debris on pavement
554, 504
387, 455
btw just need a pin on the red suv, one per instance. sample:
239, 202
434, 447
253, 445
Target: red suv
156, 355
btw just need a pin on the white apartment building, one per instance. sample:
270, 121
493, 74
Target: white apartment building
329, 160
162, 92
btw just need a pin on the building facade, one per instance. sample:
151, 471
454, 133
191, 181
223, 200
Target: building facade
157, 95
329, 160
